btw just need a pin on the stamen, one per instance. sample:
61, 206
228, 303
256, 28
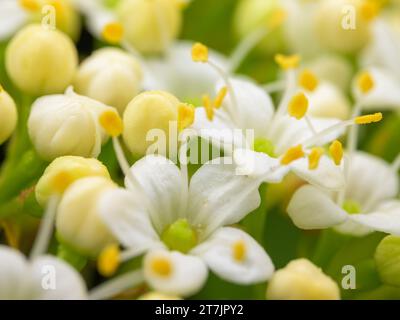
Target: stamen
369, 118
298, 106
117, 285
336, 152
220, 97
370, 10
209, 107
113, 33
199, 53
46, 228
239, 251
292, 154
287, 62
274, 86
161, 266
186, 113
314, 157
308, 80
30, 5
365, 82
109, 260
111, 123
278, 17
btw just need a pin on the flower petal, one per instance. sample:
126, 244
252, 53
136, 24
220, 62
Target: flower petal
183, 275
57, 280
124, 214
219, 254
311, 208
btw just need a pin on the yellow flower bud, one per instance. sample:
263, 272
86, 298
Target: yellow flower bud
8, 115
148, 110
66, 124
68, 169
302, 280
387, 259
40, 60
339, 30
150, 26
111, 76
78, 222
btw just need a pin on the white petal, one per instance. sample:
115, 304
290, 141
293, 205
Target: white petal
254, 104
188, 273
327, 175
163, 187
370, 181
351, 227
15, 278
218, 196
384, 95
124, 214
386, 218
57, 280
218, 254
311, 208
12, 17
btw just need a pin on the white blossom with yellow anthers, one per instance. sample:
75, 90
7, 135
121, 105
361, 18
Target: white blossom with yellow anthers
302, 280
111, 76
8, 115
67, 124
181, 227
22, 279
369, 203
40, 60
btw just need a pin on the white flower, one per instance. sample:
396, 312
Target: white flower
369, 202
66, 124
44, 277
182, 228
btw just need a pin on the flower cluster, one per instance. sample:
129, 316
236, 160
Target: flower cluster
138, 165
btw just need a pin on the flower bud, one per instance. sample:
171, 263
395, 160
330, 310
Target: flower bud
302, 280
111, 76
147, 111
341, 26
387, 259
8, 115
150, 26
66, 124
63, 171
40, 60
78, 222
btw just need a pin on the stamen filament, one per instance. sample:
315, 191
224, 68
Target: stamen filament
117, 285
310, 125
274, 86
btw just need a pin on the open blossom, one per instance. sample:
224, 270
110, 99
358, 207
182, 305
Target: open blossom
182, 229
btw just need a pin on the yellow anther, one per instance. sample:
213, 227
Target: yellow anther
277, 18
209, 107
370, 10
109, 260
365, 82
161, 266
62, 181
298, 106
308, 80
239, 251
186, 114
30, 5
220, 97
336, 152
113, 32
287, 62
369, 118
292, 154
111, 123
199, 52
314, 157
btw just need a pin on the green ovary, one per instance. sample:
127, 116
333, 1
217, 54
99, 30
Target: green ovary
265, 146
180, 236
352, 207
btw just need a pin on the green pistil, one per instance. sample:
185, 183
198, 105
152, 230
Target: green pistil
352, 207
265, 146
180, 236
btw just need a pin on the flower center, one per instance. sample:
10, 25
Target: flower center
180, 236
265, 146
352, 207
